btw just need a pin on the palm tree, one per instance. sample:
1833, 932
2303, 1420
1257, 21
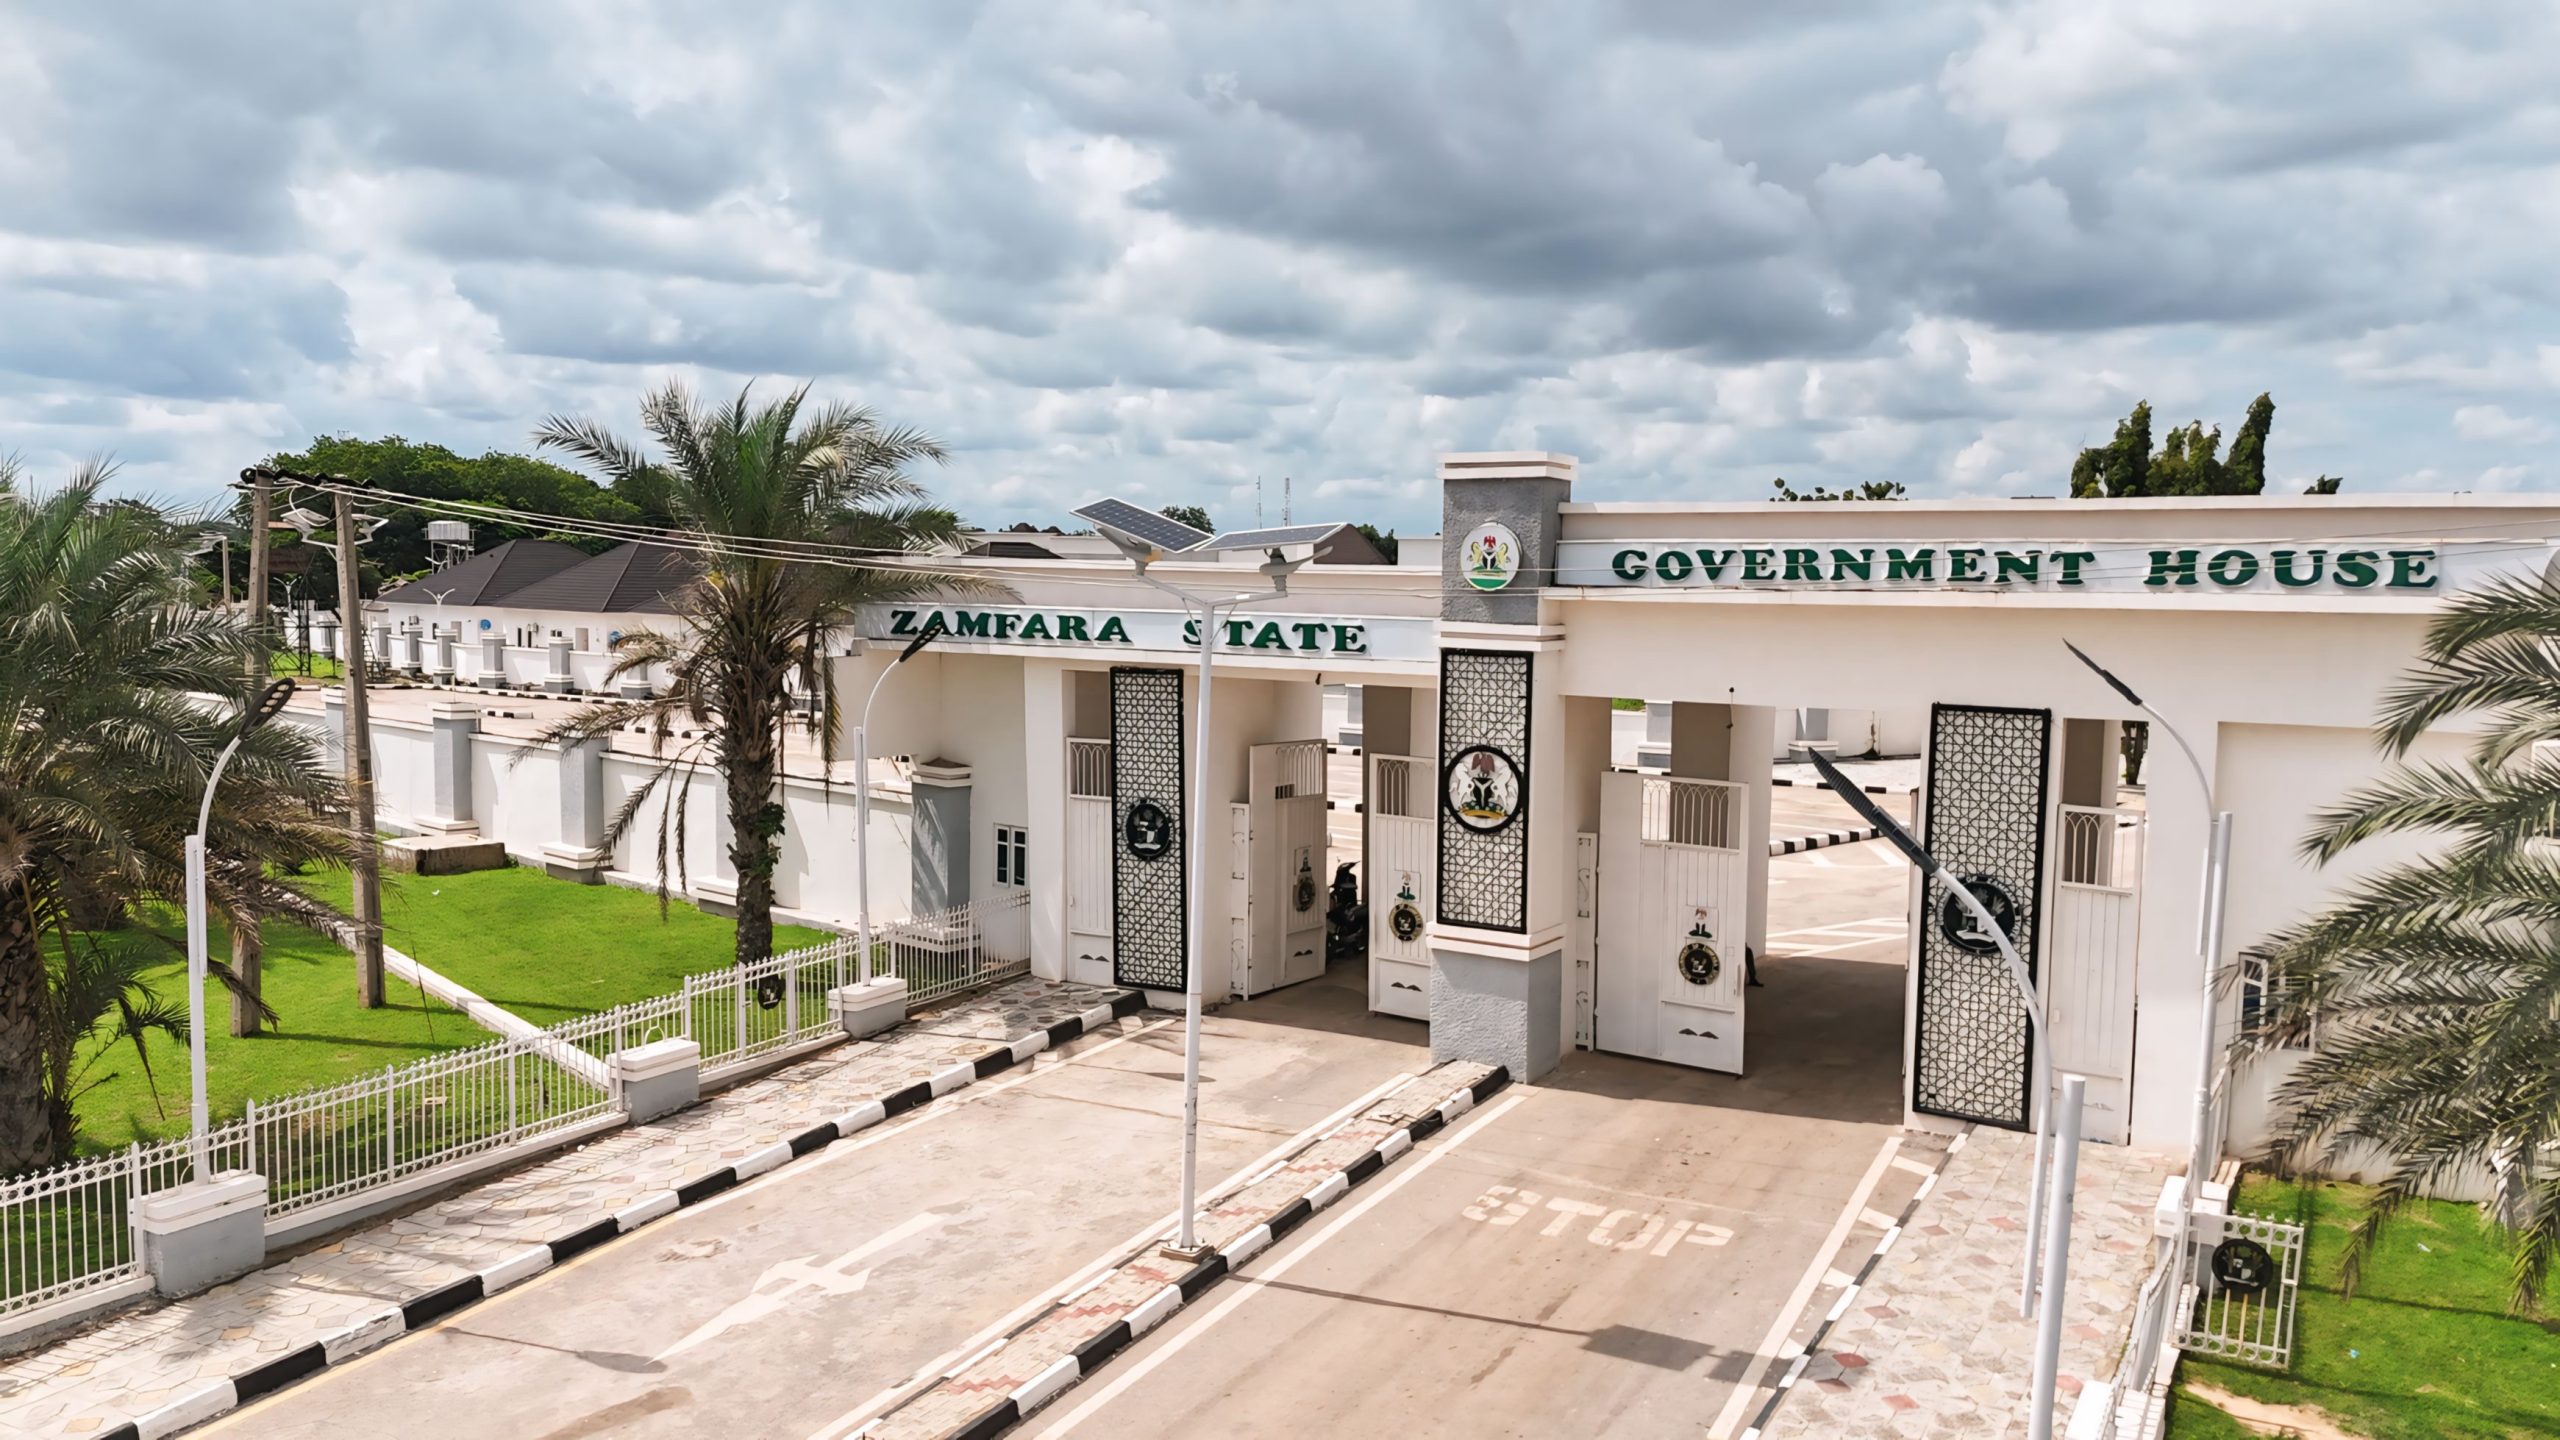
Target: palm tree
744, 485
105, 743
2431, 990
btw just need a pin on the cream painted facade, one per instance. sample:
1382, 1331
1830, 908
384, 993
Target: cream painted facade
2271, 669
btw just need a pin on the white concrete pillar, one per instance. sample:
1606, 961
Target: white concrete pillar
581, 854
658, 1078
557, 682
493, 661
1046, 691
204, 1232
451, 724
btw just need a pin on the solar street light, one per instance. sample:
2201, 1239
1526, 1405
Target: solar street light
262, 707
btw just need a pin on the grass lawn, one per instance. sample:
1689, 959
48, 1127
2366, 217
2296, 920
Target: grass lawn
2426, 1348
548, 949
289, 662
323, 1035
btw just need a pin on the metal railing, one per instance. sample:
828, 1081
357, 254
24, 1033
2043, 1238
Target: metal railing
72, 1228
2099, 846
1089, 769
960, 950
1689, 812
323, 1145
745, 1012
2138, 1401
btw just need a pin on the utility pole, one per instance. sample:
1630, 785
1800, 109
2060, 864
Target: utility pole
367, 861
248, 946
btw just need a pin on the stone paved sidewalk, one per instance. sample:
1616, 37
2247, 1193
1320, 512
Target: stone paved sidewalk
1932, 1345
135, 1363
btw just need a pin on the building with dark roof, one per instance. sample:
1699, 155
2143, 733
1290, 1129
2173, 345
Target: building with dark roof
626, 579
490, 576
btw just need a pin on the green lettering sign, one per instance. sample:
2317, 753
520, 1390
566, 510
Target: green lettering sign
2286, 575
2070, 562
1853, 564
1756, 562
2171, 567
1672, 565
1628, 565
2013, 566
1921, 564
1113, 631
1804, 565
902, 622
1711, 563
1350, 639
1963, 564
970, 622
2358, 569
2409, 570
1071, 627
1035, 627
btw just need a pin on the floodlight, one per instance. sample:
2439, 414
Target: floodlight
266, 705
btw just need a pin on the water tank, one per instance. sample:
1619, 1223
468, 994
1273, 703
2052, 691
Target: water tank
449, 532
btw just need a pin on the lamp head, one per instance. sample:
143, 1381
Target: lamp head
266, 704
2105, 674
931, 632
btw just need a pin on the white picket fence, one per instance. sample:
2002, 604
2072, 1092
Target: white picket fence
72, 1228
956, 951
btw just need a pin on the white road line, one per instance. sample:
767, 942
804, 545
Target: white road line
1449, 1143
1091, 1274
1745, 1392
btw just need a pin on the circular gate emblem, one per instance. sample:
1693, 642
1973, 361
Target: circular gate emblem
1404, 921
1491, 556
1957, 924
1699, 962
2242, 1266
1482, 788
768, 992
1148, 831
1304, 897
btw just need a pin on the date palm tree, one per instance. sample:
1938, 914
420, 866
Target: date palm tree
106, 738
746, 486
2430, 992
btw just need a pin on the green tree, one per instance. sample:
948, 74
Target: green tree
1385, 540
1192, 515
513, 482
105, 746
2427, 991
1867, 490
742, 480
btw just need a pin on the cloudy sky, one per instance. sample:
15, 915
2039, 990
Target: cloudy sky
1161, 251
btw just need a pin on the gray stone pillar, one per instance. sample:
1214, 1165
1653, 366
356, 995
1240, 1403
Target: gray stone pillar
557, 682
1497, 987
452, 724
941, 873
581, 854
380, 640
493, 661
413, 660
658, 1078
444, 658
204, 1232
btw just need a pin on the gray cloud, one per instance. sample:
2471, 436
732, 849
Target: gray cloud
1096, 247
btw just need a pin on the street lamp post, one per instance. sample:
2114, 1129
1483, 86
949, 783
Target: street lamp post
2217, 882
862, 797
1931, 869
259, 711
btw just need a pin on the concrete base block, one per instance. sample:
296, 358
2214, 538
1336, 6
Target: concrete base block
869, 1009
715, 897
491, 682
572, 862
457, 854
203, 1233
1497, 1011
557, 684
658, 1078
635, 689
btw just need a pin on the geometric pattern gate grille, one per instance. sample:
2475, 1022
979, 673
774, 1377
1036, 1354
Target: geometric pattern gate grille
1148, 914
1484, 875
1972, 1046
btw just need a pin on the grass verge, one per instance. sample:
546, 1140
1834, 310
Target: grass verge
2426, 1349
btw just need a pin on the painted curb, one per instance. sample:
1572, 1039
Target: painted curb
217, 1397
1849, 1293
1097, 1349
1787, 782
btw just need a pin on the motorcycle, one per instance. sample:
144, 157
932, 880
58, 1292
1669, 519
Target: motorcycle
1346, 918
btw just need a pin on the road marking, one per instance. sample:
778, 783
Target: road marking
543, 1282
766, 1299
1876, 922
1621, 1229
1744, 1393
962, 1355
1447, 1146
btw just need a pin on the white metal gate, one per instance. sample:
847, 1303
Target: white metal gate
2090, 949
1088, 861
2237, 1279
1286, 865
1674, 897
1401, 860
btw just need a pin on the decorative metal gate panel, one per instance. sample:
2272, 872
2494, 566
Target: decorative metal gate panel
1971, 1043
1148, 917
1483, 800
2242, 1272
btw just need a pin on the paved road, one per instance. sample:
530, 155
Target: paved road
784, 1308
1618, 1249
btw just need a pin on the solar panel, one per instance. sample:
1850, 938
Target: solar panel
1265, 539
1140, 523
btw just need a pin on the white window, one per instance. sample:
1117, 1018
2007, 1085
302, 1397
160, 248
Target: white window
1011, 843
2260, 1005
